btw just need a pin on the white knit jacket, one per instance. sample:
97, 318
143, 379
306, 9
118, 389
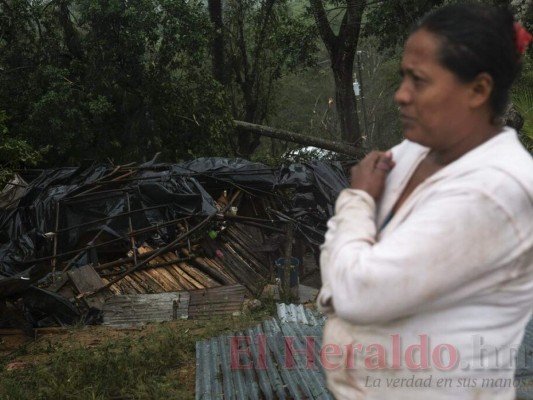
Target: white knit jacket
451, 273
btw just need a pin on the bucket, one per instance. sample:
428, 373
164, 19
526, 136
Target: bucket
294, 279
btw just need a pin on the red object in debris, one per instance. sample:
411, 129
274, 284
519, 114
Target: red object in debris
15, 365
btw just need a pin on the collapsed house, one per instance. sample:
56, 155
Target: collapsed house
114, 244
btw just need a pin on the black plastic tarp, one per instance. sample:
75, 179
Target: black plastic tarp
68, 209
164, 191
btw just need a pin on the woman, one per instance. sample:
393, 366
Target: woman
427, 266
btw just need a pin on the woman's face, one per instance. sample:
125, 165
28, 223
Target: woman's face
432, 101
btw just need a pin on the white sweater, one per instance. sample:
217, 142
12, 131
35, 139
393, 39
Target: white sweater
451, 273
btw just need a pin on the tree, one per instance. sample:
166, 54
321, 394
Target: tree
391, 21
14, 153
342, 49
522, 92
264, 39
111, 79
218, 42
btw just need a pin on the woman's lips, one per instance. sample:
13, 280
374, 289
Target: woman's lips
406, 120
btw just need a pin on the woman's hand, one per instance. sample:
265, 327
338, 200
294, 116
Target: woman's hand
370, 174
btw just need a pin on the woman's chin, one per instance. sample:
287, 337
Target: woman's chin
416, 136
411, 133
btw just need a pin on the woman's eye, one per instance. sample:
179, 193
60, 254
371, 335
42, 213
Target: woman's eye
417, 80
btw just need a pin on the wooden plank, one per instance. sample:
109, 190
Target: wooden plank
152, 281
240, 245
193, 276
207, 275
242, 271
186, 269
215, 263
157, 273
86, 280
175, 281
115, 288
134, 310
181, 277
124, 287
166, 279
137, 288
146, 282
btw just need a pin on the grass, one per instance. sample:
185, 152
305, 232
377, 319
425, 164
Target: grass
157, 362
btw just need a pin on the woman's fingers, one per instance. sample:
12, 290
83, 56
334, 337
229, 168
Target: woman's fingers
370, 174
383, 165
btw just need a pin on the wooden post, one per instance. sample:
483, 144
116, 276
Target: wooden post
286, 295
54, 259
130, 233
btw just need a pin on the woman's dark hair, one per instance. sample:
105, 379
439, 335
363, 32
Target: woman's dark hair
477, 38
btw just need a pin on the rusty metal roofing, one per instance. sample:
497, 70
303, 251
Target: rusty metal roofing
268, 361
222, 300
138, 309
131, 310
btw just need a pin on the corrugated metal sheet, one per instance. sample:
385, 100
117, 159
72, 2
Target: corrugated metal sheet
131, 310
268, 361
524, 365
298, 313
139, 309
222, 300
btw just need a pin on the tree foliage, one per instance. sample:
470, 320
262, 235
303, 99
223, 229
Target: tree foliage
14, 153
111, 79
522, 94
118, 80
264, 41
390, 21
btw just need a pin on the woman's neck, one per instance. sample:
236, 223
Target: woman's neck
470, 141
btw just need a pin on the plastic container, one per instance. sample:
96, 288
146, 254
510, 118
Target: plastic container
294, 278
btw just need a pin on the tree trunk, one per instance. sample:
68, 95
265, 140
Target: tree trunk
247, 68
346, 104
217, 45
342, 49
305, 140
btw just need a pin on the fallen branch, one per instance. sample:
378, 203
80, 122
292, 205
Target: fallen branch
305, 140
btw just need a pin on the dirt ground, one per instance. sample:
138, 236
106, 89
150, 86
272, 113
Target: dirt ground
18, 350
12, 340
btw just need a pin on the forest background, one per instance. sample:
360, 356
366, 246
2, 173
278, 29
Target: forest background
121, 80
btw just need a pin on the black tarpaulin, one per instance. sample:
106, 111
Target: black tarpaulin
69, 217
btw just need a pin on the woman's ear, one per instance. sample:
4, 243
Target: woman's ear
481, 89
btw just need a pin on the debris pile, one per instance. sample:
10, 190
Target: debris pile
79, 244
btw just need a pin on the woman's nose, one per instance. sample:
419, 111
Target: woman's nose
403, 94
